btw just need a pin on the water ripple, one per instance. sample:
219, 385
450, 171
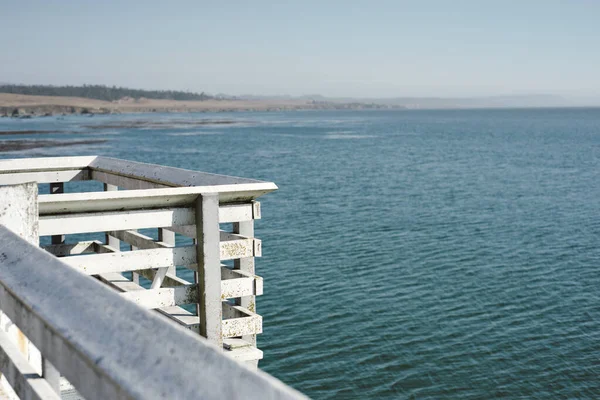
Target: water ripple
445, 254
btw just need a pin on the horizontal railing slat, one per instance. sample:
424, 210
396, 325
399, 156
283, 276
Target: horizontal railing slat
45, 164
124, 181
163, 297
44, 177
164, 174
71, 203
233, 246
237, 283
138, 240
95, 264
118, 200
230, 189
119, 282
168, 281
187, 294
239, 212
239, 321
70, 249
114, 221
174, 313
62, 223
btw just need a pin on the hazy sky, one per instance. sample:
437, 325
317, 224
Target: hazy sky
336, 48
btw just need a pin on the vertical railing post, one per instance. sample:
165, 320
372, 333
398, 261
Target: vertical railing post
19, 213
111, 240
50, 373
209, 268
57, 188
167, 237
246, 228
135, 277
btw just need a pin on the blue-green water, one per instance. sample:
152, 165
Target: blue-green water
407, 254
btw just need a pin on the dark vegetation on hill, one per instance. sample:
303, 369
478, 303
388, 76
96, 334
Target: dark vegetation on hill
101, 92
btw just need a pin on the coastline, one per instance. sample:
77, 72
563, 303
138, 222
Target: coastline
25, 106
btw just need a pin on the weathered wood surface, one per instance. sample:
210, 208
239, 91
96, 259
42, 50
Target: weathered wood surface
44, 177
235, 348
163, 297
73, 203
239, 283
119, 282
57, 188
45, 164
131, 175
23, 378
148, 198
228, 193
117, 200
18, 212
72, 249
124, 181
234, 283
231, 246
170, 176
169, 199
49, 372
114, 221
111, 240
234, 246
108, 352
239, 321
95, 264
138, 240
166, 237
170, 280
241, 350
187, 293
247, 266
209, 268
179, 220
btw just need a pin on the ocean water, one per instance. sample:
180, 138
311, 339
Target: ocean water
407, 254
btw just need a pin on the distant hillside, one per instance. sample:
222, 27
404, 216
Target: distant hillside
524, 101
519, 101
101, 92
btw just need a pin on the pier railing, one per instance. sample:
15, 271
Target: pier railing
138, 269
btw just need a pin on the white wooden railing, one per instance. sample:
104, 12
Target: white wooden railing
170, 200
